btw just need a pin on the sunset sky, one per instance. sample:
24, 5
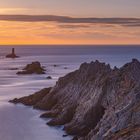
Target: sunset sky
70, 22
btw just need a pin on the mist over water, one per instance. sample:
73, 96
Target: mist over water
21, 122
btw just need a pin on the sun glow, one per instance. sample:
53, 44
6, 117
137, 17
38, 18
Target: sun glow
13, 32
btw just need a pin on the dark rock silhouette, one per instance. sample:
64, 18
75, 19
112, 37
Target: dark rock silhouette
12, 55
33, 68
65, 67
32, 99
95, 102
65, 135
49, 77
13, 68
55, 65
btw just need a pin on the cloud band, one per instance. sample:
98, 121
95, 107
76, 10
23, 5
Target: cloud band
131, 22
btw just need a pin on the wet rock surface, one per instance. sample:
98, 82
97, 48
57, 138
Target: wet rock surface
95, 102
33, 68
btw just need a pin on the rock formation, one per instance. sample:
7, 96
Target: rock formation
48, 77
95, 102
33, 68
32, 99
12, 55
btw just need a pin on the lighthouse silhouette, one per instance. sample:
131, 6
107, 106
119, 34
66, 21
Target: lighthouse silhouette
12, 55
13, 51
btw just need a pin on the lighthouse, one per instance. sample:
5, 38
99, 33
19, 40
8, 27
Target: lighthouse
12, 55
13, 51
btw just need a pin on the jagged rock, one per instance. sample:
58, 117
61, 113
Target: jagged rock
12, 55
32, 99
33, 68
96, 102
50, 114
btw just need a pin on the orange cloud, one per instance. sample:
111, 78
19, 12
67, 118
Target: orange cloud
17, 32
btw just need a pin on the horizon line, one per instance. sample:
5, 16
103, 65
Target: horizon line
69, 44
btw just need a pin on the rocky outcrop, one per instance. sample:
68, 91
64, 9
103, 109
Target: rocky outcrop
32, 99
96, 102
12, 55
48, 77
33, 68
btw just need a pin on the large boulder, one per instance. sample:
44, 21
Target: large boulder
33, 68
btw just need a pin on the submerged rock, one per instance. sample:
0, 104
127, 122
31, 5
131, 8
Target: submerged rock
49, 77
33, 68
65, 67
55, 65
96, 102
65, 135
13, 68
12, 55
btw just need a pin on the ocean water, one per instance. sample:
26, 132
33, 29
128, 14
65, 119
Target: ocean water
21, 122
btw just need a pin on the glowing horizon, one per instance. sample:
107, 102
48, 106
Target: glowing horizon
63, 22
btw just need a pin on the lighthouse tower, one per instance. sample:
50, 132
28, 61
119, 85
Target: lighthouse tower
12, 55
13, 51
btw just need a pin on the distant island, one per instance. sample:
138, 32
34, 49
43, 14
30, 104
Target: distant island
12, 54
94, 102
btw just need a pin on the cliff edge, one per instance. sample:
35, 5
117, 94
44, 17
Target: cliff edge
94, 102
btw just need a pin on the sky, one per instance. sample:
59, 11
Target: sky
69, 22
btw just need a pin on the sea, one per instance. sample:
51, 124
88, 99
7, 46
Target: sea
19, 122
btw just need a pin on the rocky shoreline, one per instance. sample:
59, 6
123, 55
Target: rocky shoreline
94, 102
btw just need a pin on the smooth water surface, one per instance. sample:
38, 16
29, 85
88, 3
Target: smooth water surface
18, 122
